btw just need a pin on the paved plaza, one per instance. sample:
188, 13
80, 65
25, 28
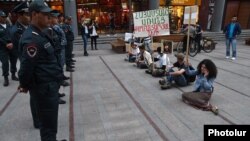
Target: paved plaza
111, 100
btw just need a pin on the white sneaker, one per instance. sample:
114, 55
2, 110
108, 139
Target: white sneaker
227, 57
233, 58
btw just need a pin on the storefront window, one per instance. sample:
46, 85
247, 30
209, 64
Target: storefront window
100, 11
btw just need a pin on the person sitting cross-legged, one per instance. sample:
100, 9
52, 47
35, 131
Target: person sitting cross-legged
145, 59
177, 74
163, 62
203, 87
133, 54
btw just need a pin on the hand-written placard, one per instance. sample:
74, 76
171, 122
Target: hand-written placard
194, 14
151, 23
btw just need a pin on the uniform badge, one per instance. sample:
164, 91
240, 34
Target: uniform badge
31, 50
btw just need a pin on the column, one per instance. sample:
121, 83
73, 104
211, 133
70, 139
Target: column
153, 4
217, 19
70, 10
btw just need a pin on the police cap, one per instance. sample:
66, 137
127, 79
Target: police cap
22, 7
54, 13
2, 14
68, 17
39, 6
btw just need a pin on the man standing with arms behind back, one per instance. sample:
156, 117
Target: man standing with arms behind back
231, 31
5, 46
40, 71
17, 30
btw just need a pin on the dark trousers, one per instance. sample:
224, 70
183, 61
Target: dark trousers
46, 98
68, 52
4, 58
13, 55
198, 43
33, 108
93, 41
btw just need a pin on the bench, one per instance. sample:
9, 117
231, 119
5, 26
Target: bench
172, 37
118, 45
247, 41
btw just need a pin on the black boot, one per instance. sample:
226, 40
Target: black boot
6, 81
13, 77
86, 53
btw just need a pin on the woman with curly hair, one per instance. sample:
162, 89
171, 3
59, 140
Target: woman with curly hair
203, 87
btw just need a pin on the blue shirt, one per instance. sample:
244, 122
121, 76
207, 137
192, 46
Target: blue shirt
231, 30
202, 84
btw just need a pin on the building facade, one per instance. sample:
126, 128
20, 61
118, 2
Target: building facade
213, 14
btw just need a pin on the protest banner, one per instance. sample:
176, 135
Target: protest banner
151, 23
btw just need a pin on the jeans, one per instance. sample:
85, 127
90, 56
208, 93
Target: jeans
233, 43
85, 39
180, 80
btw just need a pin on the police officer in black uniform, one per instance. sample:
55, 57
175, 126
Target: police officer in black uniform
40, 71
55, 33
5, 46
17, 30
69, 48
21, 24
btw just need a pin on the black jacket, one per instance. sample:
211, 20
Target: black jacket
39, 62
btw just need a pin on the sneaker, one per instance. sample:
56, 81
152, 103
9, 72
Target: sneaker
233, 58
227, 57
125, 59
215, 110
162, 81
148, 72
166, 86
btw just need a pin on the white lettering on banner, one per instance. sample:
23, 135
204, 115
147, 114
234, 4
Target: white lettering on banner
214, 132
151, 23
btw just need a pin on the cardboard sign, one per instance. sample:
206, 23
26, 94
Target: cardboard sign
151, 23
193, 10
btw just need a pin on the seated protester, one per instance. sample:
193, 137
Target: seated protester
164, 63
133, 54
145, 59
203, 87
156, 60
177, 73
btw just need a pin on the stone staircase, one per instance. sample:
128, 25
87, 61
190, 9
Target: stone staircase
103, 39
219, 36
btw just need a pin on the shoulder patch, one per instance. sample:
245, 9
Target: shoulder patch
31, 50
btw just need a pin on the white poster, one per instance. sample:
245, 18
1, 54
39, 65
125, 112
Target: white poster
194, 14
151, 23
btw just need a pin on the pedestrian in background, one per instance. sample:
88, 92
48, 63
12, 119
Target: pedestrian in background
93, 34
231, 31
198, 36
85, 35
